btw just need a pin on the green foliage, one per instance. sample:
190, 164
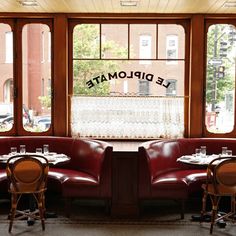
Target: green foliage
86, 44
216, 88
45, 101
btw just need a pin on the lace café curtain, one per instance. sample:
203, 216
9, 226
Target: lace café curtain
127, 117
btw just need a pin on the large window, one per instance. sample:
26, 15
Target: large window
120, 78
36, 93
220, 78
25, 97
6, 78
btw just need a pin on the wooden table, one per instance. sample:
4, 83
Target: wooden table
202, 161
198, 160
52, 157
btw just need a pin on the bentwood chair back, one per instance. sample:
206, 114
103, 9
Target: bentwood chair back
221, 181
27, 174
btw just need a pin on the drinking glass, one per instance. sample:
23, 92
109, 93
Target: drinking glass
203, 151
45, 149
229, 152
13, 150
22, 149
224, 149
197, 152
39, 150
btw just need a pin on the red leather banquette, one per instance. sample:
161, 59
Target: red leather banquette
86, 175
161, 176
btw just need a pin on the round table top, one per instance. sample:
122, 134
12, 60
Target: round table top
197, 160
52, 157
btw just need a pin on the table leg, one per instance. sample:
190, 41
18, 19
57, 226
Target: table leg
32, 209
207, 218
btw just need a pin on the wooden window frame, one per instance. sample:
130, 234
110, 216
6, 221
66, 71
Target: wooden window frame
183, 22
17, 25
206, 133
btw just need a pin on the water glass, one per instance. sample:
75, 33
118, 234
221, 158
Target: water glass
229, 152
197, 152
224, 149
13, 150
45, 149
22, 149
39, 150
203, 151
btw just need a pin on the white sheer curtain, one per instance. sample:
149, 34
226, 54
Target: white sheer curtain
127, 117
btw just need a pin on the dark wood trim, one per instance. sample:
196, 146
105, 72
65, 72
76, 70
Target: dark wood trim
126, 21
196, 76
60, 76
186, 77
70, 72
125, 184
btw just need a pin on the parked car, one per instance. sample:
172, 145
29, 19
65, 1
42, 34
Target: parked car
42, 122
6, 115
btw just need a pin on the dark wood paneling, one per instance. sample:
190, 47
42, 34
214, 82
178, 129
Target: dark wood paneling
60, 75
125, 183
196, 76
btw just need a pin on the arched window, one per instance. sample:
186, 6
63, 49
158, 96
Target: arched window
220, 79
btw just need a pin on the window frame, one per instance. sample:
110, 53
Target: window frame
183, 22
206, 133
17, 25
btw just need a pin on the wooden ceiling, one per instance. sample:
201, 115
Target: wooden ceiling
114, 6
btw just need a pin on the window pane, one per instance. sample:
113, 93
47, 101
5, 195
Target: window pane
36, 114
220, 78
98, 77
128, 100
6, 78
86, 41
171, 42
138, 98
143, 42
114, 42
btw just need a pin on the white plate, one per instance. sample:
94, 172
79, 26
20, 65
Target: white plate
186, 158
195, 161
51, 153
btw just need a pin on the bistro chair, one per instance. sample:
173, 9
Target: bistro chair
27, 174
221, 181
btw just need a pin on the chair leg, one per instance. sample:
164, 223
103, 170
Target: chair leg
40, 200
233, 206
13, 211
12, 216
68, 202
215, 201
108, 206
182, 209
203, 211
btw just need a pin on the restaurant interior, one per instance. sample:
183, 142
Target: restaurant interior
117, 117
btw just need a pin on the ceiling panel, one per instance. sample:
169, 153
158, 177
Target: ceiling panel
171, 6
113, 6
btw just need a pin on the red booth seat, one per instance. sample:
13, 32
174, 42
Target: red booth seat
161, 176
87, 174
